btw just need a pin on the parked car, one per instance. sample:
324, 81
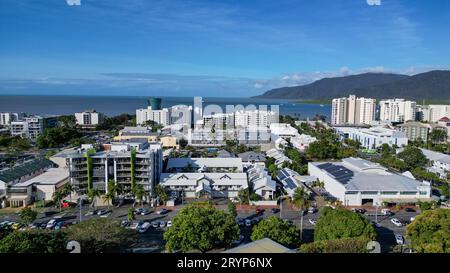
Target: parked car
162, 224
399, 239
162, 211
275, 210
259, 211
136, 225
102, 212
43, 225
312, 210
240, 222
145, 212
396, 222
248, 223
412, 219
16, 226
387, 212
107, 214
145, 226
376, 224
169, 223
125, 223
312, 222
155, 224
138, 210
51, 224
59, 225
410, 210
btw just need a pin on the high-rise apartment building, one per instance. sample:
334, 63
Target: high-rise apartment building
397, 110
29, 127
89, 118
352, 110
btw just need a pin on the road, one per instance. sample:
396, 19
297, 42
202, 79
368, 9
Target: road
154, 237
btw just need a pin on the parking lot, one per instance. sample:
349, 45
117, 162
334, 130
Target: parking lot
153, 237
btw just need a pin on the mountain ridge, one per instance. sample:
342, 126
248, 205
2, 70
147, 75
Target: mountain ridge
429, 85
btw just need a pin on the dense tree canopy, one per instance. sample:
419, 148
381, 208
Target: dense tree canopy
430, 231
413, 157
34, 241
200, 227
100, 235
279, 230
27, 215
345, 245
342, 223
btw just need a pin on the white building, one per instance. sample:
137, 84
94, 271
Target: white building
372, 138
6, 118
205, 177
161, 117
302, 141
397, 110
357, 182
41, 187
440, 163
352, 110
218, 121
283, 130
29, 127
279, 157
255, 118
261, 181
181, 114
89, 118
436, 112
445, 123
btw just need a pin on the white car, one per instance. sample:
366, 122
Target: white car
412, 219
51, 224
144, 227
248, 223
396, 222
169, 223
162, 224
399, 239
312, 222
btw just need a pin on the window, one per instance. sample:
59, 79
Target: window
369, 192
389, 193
351, 192
408, 193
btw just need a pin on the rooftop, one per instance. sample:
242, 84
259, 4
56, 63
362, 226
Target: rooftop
265, 245
27, 168
358, 174
52, 176
204, 162
435, 156
252, 156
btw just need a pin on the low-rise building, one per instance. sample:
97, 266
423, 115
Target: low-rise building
89, 118
439, 162
291, 180
210, 185
206, 165
261, 181
7, 117
283, 130
130, 133
279, 157
418, 130
29, 127
252, 157
357, 182
41, 187
265, 245
302, 141
372, 138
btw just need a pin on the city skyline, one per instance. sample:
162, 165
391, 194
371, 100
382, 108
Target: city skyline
211, 48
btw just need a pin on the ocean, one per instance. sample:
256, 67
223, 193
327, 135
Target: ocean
114, 105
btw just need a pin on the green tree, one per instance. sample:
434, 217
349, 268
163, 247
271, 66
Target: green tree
232, 210
27, 215
438, 136
199, 227
430, 231
139, 193
130, 214
413, 157
101, 235
341, 223
278, 230
183, 143
34, 241
58, 196
301, 200
244, 196
162, 192
344, 245
93, 194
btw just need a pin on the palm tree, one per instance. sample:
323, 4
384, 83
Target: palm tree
57, 198
139, 193
301, 200
161, 192
130, 214
93, 194
67, 190
107, 197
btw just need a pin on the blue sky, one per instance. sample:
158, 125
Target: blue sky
212, 48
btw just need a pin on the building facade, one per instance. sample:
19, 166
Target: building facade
352, 110
28, 127
418, 130
89, 118
397, 110
126, 163
372, 138
357, 182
